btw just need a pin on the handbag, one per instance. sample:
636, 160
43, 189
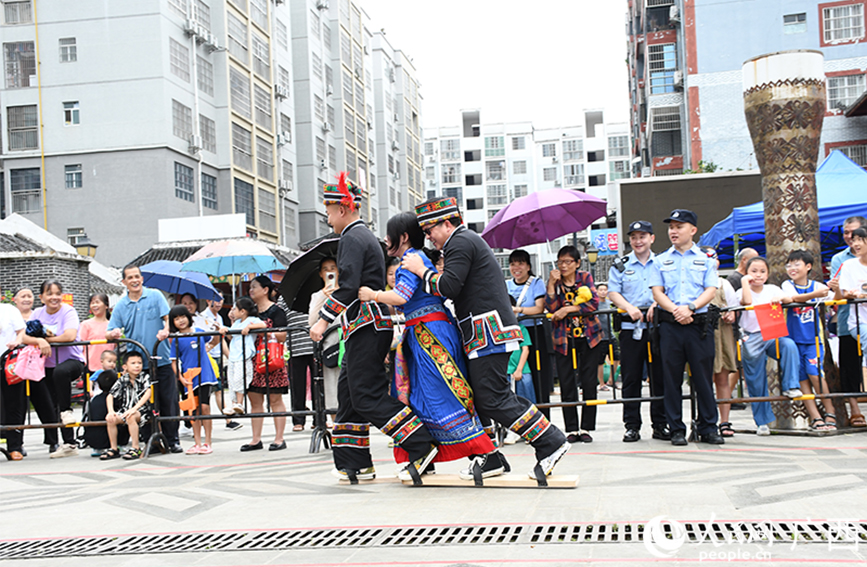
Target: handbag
28, 365
331, 355
9, 368
269, 355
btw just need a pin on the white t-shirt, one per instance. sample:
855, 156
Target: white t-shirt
769, 292
853, 277
11, 322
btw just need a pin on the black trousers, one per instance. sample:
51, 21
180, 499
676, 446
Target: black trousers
633, 358
60, 380
494, 399
588, 367
167, 395
15, 412
298, 366
96, 436
543, 375
680, 344
850, 363
362, 398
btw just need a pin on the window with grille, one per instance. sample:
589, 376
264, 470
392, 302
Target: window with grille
573, 150
842, 23
282, 34
73, 176
326, 37
332, 157
20, 62
239, 89
549, 174
497, 195
18, 12
843, 91
283, 78
286, 127
320, 150
657, 3
179, 7
359, 98
348, 125
289, 224
262, 102
26, 187
618, 170
237, 38
267, 211
549, 150
184, 186
261, 57
315, 23
75, 235
795, 23
182, 121
666, 172
68, 50
494, 146
351, 168
329, 114
428, 148
450, 149
244, 203
347, 88
264, 159
205, 75
22, 123
209, 191
519, 191
491, 214
179, 56
329, 79
663, 63
286, 172
573, 174
316, 65
259, 13
618, 146
451, 173
202, 14
495, 171
318, 107
665, 132
666, 118
518, 143
430, 172
208, 133
346, 49
857, 153
361, 135
242, 147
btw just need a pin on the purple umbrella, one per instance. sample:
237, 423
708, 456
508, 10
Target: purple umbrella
543, 216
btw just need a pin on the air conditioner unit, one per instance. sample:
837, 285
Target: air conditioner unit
396, 117
431, 159
195, 144
678, 79
282, 139
281, 91
322, 164
397, 174
395, 146
329, 91
212, 43
326, 127
674, 14
191, 26
366, 50
557, 183
321, 4
554, 159
358, 73
369, 125
431, 181
284, 185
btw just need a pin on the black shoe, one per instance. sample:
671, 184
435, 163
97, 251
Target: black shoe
23, 452
251, 447
579, 438
491, 465
234, 425
53, 447
679, 438
631, 436
277, 446
662, 433
176, 448
712, 438
738, 406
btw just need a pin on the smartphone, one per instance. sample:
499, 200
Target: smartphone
330, 280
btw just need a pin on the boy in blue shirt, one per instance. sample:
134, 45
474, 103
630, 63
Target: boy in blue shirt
804, 328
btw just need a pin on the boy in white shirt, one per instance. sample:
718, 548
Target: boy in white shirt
853, 285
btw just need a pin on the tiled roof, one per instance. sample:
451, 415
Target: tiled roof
10, 243
180, 251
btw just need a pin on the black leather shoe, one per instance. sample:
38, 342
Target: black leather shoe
251, 447
277, 446
53, 447
631, 436
679, 438
662, 433
712, 438
176, 448
738, 406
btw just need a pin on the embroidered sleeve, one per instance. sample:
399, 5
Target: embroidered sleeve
406, 283
331, 309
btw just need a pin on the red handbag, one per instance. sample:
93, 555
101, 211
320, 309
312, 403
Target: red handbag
269, 355
9, 368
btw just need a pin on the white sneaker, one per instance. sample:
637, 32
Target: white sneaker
491, 465
228, 410
184, 431
364, 474
419, 464
793, 393
65, 450
66, 417
548, 462
511, 438
763, 430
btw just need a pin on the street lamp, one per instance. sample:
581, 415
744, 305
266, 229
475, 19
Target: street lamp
85, 247
592, 255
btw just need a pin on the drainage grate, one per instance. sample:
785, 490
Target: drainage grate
416, 536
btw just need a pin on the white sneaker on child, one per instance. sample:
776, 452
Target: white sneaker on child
763, 430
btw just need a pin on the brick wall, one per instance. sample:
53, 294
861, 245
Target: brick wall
16, 273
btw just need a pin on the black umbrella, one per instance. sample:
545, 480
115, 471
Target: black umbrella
302, 276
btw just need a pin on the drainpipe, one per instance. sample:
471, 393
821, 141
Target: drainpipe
41, 129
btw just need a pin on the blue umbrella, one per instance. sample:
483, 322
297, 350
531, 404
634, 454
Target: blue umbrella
166, 275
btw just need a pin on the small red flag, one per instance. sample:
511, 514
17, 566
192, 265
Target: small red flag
772, 321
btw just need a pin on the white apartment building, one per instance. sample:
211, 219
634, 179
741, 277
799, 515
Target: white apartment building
486, 166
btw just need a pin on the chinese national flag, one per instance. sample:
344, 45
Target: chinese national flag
772, 321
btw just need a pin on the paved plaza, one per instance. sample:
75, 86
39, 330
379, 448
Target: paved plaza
284, 508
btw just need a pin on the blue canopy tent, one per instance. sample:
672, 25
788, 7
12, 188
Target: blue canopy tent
841, 185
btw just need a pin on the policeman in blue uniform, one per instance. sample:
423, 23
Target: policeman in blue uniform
629, 290
684, 280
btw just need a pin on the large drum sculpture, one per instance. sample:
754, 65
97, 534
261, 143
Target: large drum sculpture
784, 103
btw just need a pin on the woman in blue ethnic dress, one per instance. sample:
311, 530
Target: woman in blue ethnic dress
430, 369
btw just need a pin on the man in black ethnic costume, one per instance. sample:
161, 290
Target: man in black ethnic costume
472, 278
362, 387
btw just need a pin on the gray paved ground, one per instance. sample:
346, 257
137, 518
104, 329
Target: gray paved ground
750, 478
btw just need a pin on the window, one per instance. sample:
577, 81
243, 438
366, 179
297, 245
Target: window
261, 57
430, 172
242, 147
70, 113
289, 223
314, 24
428, 148
549, 174
494, 146
73, 176
208, 133
20, 64
497, 195
329, 114
348, 125
456, 192
179, 56
75, 235
286, 127
262, 102
320, 150
264, 159
549, 150
843, 23
662, 66
239, 87
492, 213
282, 34
665, 132
205, 72
244, 201
259, 13
23, 122
267, 211
573, 150
283, 78
451, 173
346, 49
519, 167
857, 153
326, 37
179, 7
518, 143
209, 191
450, 149
843, 91
237, 38
347, 88
182, 121
318, 107
316, 65
18, 12
359, 98
495, 171
795, 23
519, 191
68, 50
332, 157
329, 79
618, 146
202, 14
184, 187
619, 170
573, 174
26, 189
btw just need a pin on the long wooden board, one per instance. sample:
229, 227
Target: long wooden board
502, 481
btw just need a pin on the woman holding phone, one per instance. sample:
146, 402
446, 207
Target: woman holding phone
329, 275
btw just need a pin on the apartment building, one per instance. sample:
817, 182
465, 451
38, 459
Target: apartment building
685, 59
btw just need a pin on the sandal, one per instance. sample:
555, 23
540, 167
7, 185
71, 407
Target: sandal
818, 424
298, 428
857, 420
132, 455
603, 388
109, 454
830, 426
726, 430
